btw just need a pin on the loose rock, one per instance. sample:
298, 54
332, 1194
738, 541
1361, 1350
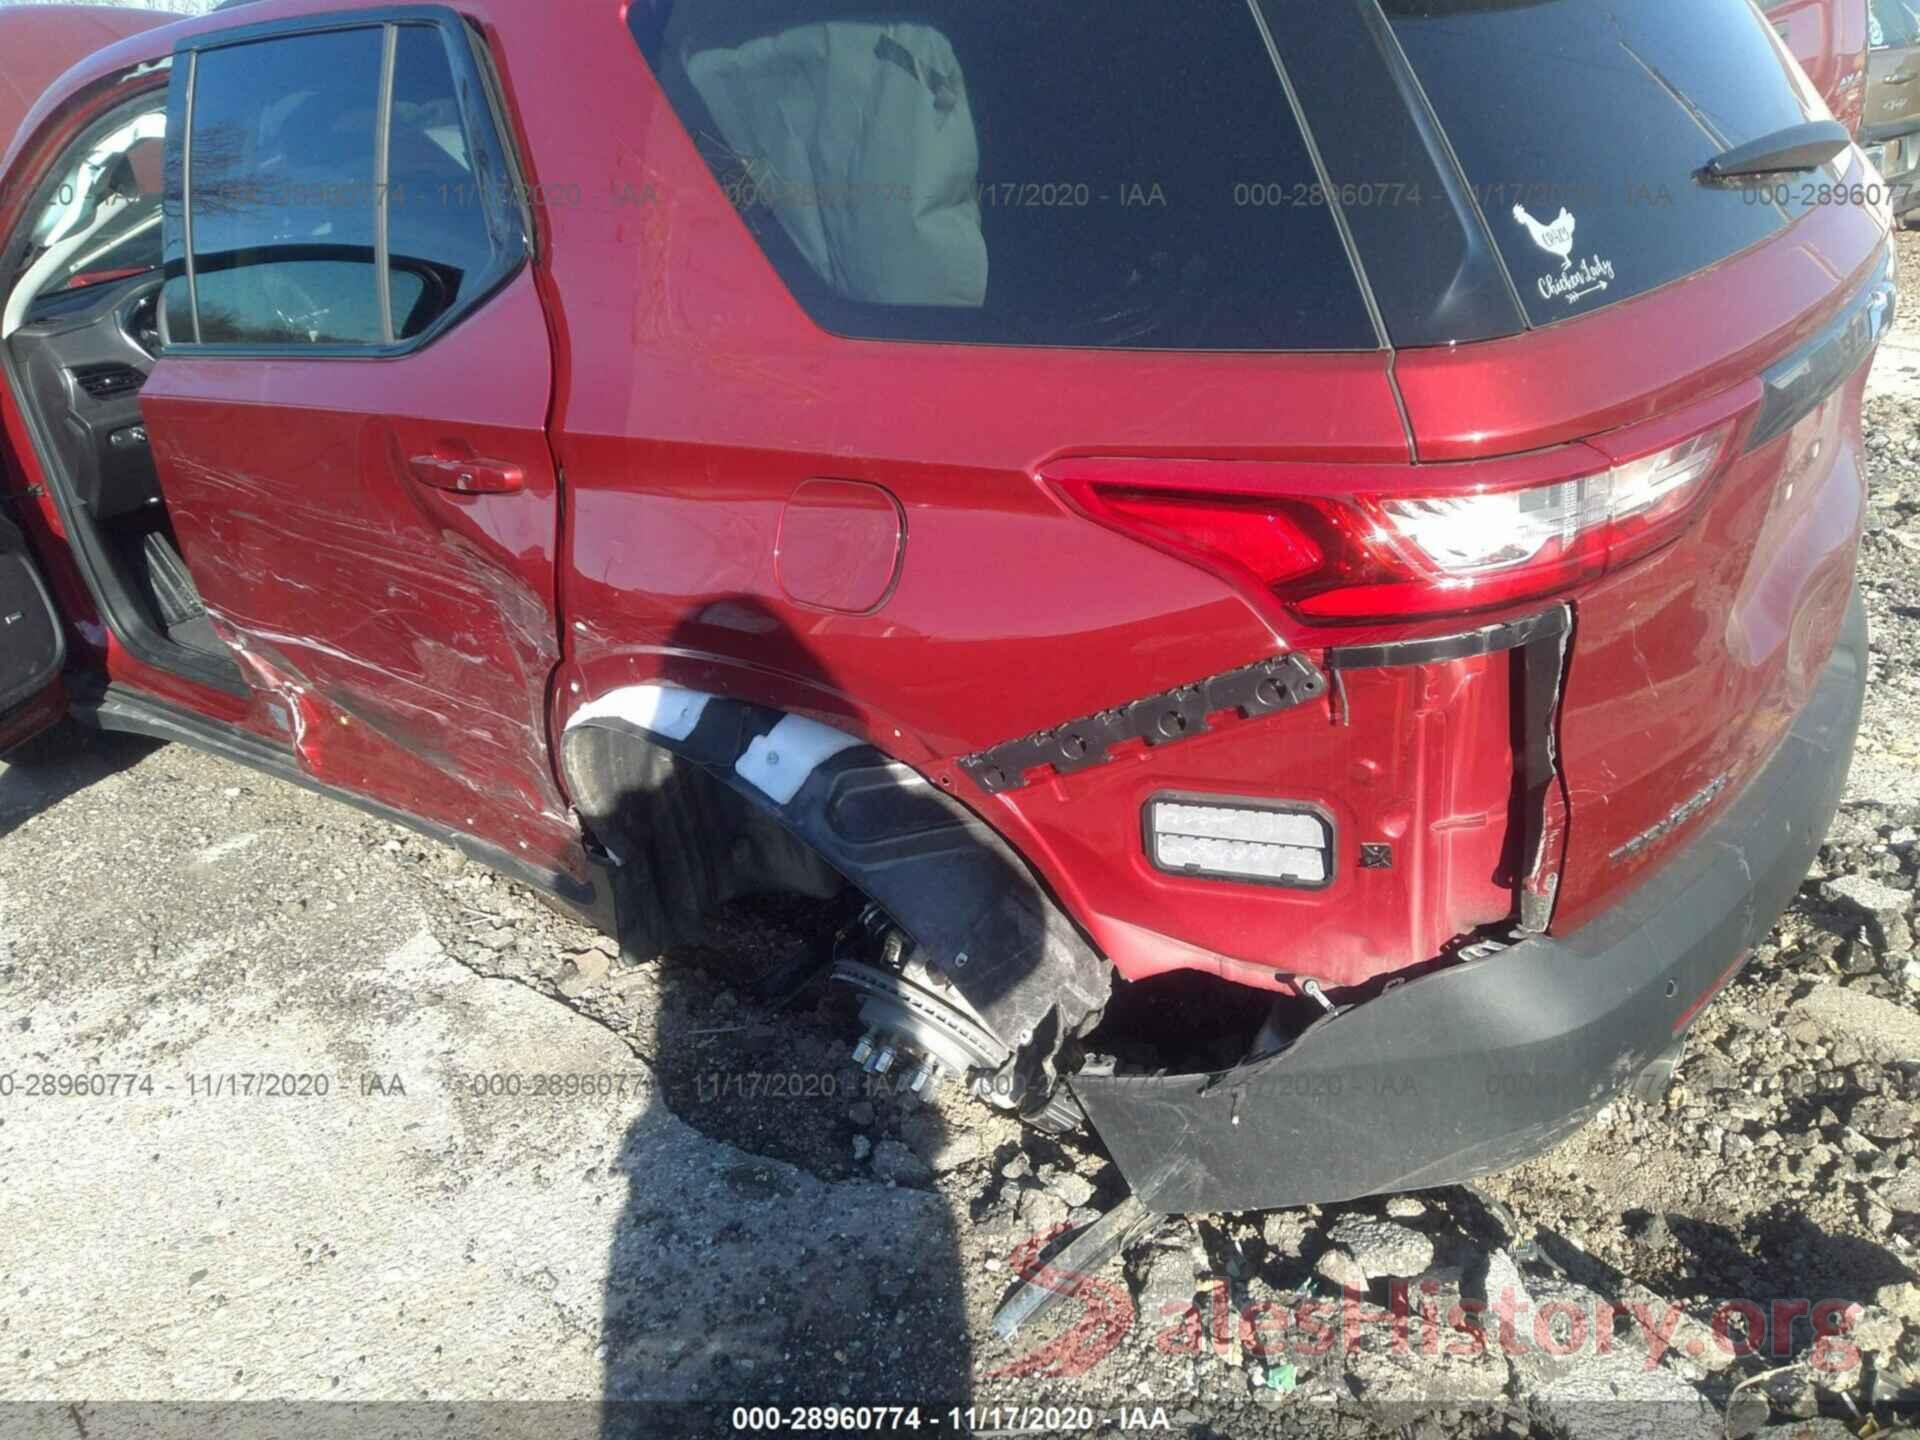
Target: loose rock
1382, 1247
1340, 1268
894, 1162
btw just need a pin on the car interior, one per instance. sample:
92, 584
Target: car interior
81, 332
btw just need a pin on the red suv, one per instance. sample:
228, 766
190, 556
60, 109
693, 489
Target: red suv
1295, 561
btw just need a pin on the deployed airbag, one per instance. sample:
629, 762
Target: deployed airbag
859, 138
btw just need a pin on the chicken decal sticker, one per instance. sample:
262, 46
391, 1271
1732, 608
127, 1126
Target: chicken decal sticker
1577, 278
1556, 239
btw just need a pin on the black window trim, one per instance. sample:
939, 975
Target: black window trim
1453, 174
1341, 225
186, 188
490, 146
382, 169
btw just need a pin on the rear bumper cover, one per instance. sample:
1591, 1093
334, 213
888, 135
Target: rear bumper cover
1478, 1067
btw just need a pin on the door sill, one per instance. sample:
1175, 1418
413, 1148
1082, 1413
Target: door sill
125, 710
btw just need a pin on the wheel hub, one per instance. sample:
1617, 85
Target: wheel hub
918, 1025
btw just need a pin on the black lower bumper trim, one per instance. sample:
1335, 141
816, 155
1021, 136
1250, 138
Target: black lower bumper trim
1478, 1067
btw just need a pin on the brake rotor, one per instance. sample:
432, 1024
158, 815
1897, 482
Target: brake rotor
920, 1027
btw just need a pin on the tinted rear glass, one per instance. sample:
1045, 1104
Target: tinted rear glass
441, 248
282, 191
1023, 172
1580, 127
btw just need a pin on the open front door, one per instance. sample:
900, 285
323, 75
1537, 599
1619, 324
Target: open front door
32, 644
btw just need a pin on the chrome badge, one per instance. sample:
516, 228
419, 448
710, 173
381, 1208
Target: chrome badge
1673, 819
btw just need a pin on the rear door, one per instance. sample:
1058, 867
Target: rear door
349, 415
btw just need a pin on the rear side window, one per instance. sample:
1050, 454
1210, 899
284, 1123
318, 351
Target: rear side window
328, 194
282, 193
1016, 172
1580, 128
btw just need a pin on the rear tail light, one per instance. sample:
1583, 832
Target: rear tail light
1405, 547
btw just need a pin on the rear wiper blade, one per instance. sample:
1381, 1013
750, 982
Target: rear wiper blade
1798, 147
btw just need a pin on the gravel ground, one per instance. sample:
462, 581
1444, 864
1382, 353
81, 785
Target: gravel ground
429, 1230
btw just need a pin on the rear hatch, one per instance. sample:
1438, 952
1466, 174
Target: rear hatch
1629, 387
1658, 308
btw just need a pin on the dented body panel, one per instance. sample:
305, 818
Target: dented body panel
400, 636
738, 602
1490, 1062
1829, 38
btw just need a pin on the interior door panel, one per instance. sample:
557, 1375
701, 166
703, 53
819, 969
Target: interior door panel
32, 642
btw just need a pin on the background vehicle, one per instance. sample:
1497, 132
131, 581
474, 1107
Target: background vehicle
1362, 618
1829, 39
1891, 132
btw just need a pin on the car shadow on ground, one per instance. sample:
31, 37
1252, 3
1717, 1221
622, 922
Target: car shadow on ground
807, 1259
788, 1276
63, 761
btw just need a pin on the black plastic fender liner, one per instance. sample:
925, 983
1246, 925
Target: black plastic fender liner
1487, 1063
981, 917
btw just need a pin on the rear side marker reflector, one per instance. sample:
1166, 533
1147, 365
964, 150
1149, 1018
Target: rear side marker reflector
1179, 714
1228, 841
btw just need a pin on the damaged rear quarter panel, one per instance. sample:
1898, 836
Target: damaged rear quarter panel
701, 397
